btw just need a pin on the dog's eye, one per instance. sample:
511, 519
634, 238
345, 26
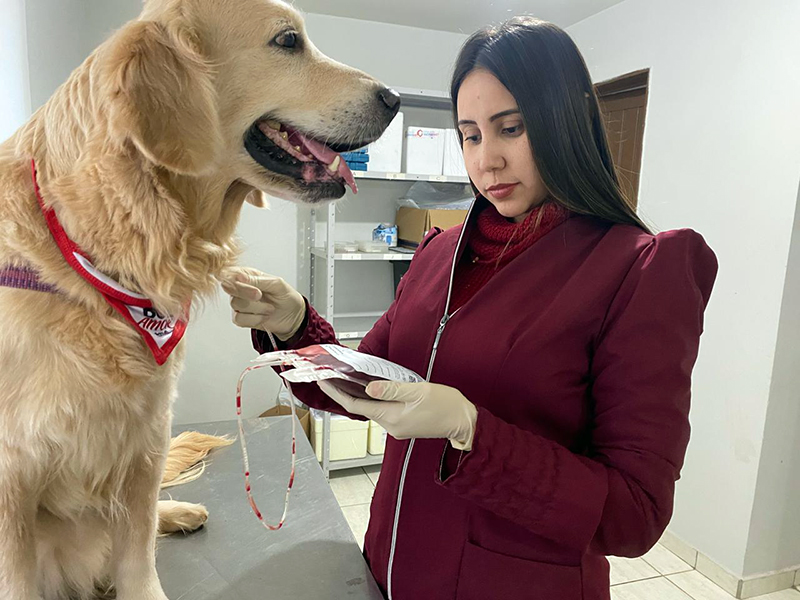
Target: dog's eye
286, 39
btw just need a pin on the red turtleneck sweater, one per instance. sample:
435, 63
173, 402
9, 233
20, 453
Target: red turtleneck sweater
495, 242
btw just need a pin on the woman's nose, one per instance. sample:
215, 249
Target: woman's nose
491, 157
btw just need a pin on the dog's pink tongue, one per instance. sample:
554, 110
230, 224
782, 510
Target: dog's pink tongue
326, 156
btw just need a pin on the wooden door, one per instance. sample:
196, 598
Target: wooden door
623, 101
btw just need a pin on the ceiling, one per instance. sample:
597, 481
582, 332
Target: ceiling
461, 16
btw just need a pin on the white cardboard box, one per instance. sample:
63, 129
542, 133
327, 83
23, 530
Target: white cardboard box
424, 150
453, 157
376, 443
386, 153
348, 437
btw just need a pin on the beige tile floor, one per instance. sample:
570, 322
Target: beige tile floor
658, 575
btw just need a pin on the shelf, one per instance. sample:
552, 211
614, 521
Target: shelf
359, 315
363, 255
423, 98
377, 175
353, 327
352, 335
367, 461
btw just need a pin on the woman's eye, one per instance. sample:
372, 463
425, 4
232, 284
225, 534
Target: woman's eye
472, 138
512, 130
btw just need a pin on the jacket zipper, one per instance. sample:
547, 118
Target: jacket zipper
442, 324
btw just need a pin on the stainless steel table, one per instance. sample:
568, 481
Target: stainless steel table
313, 556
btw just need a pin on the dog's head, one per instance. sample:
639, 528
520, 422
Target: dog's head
235, 89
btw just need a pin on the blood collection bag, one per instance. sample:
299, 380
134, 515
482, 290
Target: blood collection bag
349, 370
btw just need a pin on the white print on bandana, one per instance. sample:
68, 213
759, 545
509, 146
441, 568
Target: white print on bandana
149, 321
86, 263
152, 323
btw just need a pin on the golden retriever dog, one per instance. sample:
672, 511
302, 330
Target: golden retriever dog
146, 155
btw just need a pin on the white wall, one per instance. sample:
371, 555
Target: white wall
774, 541
15, 99
399, 56
57, 43
218, 351
721, 155
103, 17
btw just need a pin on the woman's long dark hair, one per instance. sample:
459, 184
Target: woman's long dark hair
543, 69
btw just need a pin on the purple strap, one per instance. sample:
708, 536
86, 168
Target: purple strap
23, 278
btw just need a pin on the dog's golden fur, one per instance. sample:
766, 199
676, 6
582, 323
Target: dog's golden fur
140, 153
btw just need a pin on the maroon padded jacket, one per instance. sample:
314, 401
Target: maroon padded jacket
578, 355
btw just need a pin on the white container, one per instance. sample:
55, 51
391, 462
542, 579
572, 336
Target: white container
372, 247
348, 437
345, 247
386, 153
424, 150
453, 157
376, 443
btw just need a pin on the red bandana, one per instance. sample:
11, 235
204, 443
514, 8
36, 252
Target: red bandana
160, 333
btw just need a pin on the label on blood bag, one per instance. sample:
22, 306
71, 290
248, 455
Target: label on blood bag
372, 365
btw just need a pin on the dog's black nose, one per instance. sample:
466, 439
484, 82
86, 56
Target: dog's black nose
390, 99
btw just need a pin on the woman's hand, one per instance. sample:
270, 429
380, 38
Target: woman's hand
266, 302
414, 410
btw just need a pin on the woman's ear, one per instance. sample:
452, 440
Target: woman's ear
160, 95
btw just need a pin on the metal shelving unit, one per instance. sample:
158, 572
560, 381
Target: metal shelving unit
419, 98
377, 175
321, 253
354, 326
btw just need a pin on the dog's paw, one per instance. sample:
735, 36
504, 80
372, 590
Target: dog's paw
180, 516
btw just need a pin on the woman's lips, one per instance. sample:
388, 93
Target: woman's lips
502, 190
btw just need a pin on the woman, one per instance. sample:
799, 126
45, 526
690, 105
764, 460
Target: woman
558, 335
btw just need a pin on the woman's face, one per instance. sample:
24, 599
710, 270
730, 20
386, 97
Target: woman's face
497, 152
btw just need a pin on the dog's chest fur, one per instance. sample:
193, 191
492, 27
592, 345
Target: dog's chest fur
88, 404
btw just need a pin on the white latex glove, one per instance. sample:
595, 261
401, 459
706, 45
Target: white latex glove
266, 302
414, 410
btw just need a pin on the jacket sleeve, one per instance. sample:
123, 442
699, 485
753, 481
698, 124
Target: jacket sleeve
316, 330
617, 498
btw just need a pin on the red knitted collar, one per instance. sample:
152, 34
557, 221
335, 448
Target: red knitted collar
497, 240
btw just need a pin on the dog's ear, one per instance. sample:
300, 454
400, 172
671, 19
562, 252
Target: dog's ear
257, 198
161, 96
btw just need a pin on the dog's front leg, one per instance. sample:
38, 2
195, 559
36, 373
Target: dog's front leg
133, 559
17, 524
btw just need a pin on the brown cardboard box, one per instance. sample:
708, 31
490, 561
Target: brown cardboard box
414, 223
302, 414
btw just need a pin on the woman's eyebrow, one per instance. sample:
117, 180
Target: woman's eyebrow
505, 113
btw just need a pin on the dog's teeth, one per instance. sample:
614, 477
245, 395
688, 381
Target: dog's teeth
334, 166
284, 135
274, 125
297, 148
